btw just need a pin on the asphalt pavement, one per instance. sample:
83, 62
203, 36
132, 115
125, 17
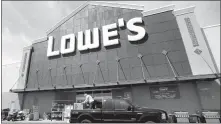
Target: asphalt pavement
34, 122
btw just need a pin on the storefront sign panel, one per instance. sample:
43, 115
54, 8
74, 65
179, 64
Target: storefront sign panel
164, 92
23, 75
85, 41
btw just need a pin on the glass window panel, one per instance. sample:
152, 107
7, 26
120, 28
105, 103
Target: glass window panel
107, 104
120, 105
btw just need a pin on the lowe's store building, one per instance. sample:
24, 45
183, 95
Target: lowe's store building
157, 58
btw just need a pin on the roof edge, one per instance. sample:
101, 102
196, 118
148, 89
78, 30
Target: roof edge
158, 10
27, 47
100, 3
211, 26
184, 11
148, 81
119, 5
40, 40
67, 17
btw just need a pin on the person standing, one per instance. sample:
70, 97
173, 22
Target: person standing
89, 100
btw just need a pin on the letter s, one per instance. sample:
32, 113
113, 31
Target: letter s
140, 30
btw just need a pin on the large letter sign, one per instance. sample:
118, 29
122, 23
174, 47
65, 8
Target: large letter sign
140, 30
88, 43
71, 49
81, 46
96, 42
86, 40
107, 35
50, 51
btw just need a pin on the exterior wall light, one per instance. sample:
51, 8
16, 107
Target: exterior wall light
118, 83
98, 62
64, 67
139, 56
164, 52
80, 65
117, 59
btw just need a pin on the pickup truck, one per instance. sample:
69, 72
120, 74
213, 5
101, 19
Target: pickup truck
118, 111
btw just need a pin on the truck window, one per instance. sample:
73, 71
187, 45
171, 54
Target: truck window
121, 105
108, 104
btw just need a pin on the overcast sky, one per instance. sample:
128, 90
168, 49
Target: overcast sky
25, 21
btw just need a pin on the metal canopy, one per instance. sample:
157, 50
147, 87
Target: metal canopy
147, 81
94, 84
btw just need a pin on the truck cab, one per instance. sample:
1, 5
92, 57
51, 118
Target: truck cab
118, 111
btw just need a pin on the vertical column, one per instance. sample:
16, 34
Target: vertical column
24, 68
193, 41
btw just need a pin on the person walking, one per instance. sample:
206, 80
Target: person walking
89, 100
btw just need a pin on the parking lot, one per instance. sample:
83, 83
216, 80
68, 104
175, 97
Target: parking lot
34, 122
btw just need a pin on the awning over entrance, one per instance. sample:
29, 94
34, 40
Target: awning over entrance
113, 84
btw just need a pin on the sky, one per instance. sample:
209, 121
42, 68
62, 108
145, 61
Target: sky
25, 21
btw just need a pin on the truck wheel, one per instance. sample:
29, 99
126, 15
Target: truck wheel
8, 119
70, 121
85, 121
22, 118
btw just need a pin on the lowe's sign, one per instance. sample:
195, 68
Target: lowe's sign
85, 41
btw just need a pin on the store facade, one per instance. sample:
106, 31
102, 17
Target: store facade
155, 58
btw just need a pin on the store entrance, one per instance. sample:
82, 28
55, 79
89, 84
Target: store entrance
98, 95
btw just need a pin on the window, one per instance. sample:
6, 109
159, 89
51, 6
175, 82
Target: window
121, 105
108, 104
